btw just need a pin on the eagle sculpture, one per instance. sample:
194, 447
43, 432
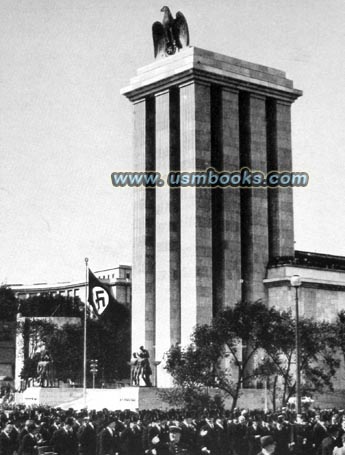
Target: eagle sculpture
170, 34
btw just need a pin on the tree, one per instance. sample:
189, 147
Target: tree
47, 305
202, 364
340, 332
109, 343
318, 362
249, 341
8, 304
194, 399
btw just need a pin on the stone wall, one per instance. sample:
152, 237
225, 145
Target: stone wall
123, 398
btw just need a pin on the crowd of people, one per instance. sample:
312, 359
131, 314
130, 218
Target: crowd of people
39, 430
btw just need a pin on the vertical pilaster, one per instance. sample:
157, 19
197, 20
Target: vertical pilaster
196, 222
167, 233
217, 162
143, 298
231, 200
280, 200
254, 211
175, 220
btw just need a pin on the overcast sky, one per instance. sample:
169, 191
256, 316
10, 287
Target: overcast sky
64, 126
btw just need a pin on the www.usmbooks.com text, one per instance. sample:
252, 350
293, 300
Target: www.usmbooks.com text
211, 178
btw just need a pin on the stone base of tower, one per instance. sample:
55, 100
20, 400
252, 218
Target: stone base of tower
140, 398
133, 398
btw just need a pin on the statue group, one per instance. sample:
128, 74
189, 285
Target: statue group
140, 367
45, 370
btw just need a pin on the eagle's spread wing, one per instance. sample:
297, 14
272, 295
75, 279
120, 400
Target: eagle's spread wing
158, 39
180, 31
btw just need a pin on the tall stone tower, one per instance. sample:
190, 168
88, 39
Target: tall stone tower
199, 250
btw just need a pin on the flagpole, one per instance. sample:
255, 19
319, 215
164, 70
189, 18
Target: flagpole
85, 320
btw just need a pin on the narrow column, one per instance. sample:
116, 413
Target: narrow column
280, 200
167, 235
231, 222
254, 217
143, 299
196, 222
175, 220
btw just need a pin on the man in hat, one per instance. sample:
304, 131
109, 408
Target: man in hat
268, 445
209, 435
131, 437
255, 431
340, 450
320, 431
330, 442
24, 431
174, 446
188, 430
240, 442
282, 434
28, 444
64, 440
158, 431
108, 440
6, 443
87, 437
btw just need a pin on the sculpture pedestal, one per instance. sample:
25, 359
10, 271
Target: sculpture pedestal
132, 398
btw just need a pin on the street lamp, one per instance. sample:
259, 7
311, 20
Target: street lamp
94, 370
266, 388
296, 282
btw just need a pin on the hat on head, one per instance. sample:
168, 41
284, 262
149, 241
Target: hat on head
266, 441
333, 429
174, 429
32, 426
189, 414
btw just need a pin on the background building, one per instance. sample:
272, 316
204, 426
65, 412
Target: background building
119, 279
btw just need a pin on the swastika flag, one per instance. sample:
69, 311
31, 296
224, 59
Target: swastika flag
100, 295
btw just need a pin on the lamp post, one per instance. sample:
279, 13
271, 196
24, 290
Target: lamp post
296, 282
85, 324
266, 389
94, 371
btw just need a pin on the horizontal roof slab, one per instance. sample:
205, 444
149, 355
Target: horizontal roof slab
209, 67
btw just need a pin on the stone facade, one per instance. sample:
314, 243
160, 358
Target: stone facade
198, 250
321, 296
118, 278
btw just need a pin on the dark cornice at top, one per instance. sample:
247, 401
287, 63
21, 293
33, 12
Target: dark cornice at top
195, 64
